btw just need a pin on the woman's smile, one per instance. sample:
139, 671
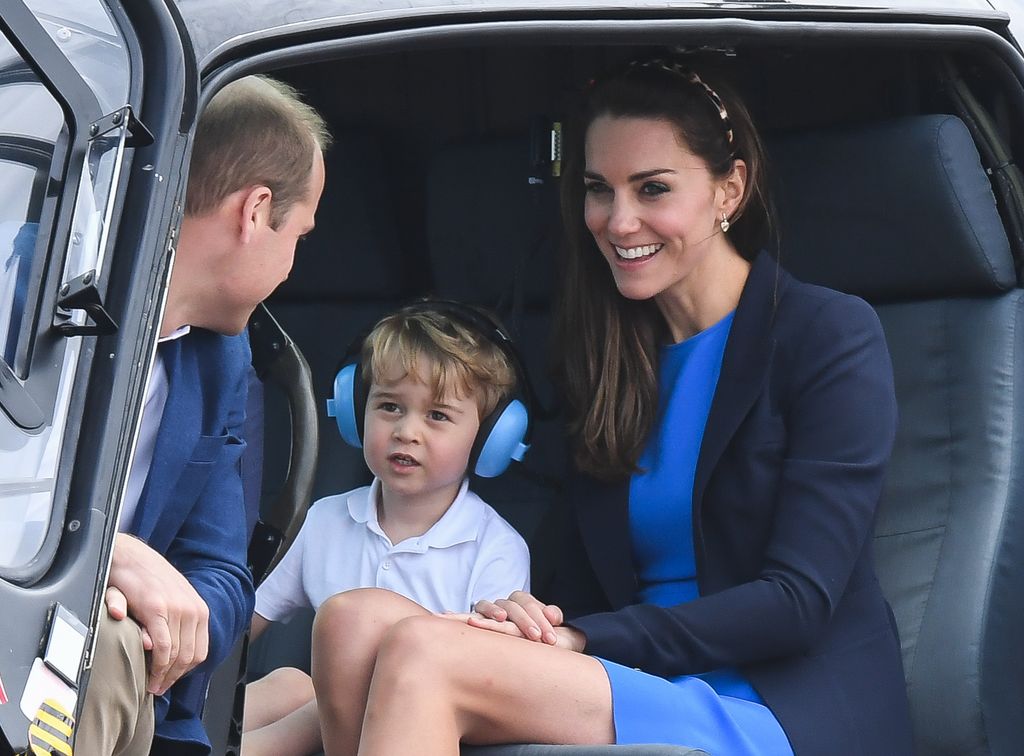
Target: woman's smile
637, 253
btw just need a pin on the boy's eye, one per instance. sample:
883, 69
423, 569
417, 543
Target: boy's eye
437, 416
653, 188
387, 407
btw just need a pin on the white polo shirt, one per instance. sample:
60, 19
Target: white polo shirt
471, 553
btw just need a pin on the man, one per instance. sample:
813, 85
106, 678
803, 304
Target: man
179, 588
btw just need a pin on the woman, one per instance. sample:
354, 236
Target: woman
732, 426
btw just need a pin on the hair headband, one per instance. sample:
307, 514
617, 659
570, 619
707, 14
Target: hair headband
676, 69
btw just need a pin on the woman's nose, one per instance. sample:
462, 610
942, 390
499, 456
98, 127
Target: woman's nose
623, 218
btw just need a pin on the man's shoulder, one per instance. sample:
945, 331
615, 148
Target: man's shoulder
212, 345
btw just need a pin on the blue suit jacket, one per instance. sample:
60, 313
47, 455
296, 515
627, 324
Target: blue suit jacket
192, 509
787, 483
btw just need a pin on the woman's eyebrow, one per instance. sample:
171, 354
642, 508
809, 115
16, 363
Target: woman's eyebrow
649, 174
634, 177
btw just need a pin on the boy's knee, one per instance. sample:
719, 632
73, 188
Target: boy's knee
288, 682
346, 611
416, 644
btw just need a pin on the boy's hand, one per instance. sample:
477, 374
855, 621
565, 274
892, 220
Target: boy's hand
534, 619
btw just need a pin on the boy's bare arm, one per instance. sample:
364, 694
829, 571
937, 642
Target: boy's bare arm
258, 625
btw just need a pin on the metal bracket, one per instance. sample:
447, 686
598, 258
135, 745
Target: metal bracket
81, 294
138, 134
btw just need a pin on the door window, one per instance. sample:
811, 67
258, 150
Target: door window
57, 175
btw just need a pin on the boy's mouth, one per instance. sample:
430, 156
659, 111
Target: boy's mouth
403, 460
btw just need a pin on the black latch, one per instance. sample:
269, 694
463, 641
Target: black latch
138, 134
81, 294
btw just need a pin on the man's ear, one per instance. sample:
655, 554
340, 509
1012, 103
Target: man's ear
255, 211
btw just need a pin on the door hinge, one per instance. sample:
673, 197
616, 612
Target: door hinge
81, 294
138, 134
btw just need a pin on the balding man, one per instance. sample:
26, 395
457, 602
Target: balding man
180, 593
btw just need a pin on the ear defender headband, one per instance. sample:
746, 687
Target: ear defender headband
503, 432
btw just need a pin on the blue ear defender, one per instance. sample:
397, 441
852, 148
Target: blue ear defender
495, 447
503, 433
342, 405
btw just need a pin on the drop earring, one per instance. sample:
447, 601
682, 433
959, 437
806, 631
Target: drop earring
725, 223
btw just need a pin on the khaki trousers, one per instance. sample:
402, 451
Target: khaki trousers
117, 715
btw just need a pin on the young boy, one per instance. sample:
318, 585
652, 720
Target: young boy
417, 529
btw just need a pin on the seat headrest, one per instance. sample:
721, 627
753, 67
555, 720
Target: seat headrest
492, 223
354, 251
895, 210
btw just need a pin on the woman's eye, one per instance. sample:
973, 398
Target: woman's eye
653, 188
437, 416
595, 187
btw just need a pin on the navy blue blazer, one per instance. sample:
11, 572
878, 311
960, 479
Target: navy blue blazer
192, 509
788, 479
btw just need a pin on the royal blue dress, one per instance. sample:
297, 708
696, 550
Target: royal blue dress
717, 711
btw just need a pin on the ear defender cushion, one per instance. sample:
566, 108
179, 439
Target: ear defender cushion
348, 404
500, 440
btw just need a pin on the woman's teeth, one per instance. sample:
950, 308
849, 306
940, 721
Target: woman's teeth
633, 253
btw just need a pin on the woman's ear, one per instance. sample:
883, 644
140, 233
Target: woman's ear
732, 188
255, 211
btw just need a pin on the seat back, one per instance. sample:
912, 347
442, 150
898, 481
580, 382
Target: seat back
493, 231
902, 214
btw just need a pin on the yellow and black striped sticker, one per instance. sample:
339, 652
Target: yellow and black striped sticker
51, 730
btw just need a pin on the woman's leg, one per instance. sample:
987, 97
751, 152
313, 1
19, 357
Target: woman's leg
297, 733
274, 696
347, 633
438, 681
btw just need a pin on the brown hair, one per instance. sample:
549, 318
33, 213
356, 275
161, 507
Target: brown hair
255, 131
462, 360
608, 345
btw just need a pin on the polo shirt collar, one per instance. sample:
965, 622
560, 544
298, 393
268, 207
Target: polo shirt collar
459, 524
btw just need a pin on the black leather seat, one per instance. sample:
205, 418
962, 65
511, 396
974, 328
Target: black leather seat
902, 214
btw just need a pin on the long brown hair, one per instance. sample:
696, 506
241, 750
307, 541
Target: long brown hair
607, 345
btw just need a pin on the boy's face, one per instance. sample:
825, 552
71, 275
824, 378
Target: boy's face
418, 444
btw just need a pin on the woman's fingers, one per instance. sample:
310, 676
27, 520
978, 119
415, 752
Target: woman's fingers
528, 614
505, 628
490, 610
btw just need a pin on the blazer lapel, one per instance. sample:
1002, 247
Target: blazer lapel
175, 437
602, 511
744, 370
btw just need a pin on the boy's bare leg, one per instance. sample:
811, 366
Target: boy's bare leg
347, 633
438, 681
275, 696
296, 734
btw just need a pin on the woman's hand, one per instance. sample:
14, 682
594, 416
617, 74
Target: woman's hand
533, 619
565, 637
